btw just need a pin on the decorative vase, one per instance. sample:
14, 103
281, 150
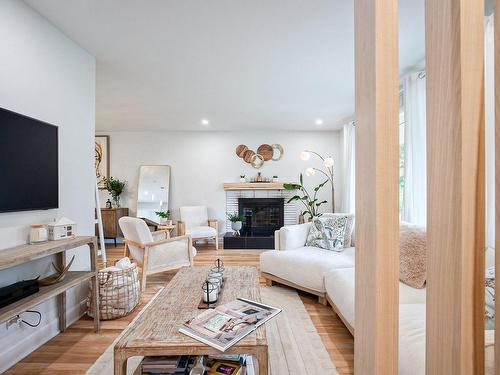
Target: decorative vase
116, 201
168, 222
236, 226
301, 219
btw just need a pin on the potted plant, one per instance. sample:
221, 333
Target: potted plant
310, 202
115, 187
242, 178
164, 217
236, 222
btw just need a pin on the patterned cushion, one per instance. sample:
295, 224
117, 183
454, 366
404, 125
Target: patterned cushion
328, 233
489, 283
349, 227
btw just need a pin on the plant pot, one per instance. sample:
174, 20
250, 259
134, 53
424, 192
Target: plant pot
236, 225
243, 179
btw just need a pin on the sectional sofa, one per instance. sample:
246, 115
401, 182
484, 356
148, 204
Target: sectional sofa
330, 276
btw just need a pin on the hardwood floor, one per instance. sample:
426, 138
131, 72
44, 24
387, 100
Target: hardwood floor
75, 350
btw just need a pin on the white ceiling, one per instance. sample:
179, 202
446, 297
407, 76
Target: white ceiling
242, 64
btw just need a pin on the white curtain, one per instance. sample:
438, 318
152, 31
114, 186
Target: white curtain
490, 133
348, 168
415, 174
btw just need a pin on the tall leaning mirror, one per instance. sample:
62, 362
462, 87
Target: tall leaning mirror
153, 191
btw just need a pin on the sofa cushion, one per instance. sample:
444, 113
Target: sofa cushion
305, 266
412, 255
202, 232
339, 286
349, 226
327, 233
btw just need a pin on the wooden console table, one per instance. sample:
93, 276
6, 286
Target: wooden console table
15, 256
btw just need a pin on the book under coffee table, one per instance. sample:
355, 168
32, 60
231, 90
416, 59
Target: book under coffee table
156, 331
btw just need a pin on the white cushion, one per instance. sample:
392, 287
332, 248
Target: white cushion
171, 254
412, 339
201, 232
293, 236
340, 284
194, 216
305, 266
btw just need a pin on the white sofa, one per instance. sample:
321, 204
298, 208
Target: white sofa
330, 276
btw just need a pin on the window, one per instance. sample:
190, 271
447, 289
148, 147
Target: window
401, 150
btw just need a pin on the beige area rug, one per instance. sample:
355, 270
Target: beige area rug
295, 346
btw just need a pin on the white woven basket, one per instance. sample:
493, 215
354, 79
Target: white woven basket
119, 293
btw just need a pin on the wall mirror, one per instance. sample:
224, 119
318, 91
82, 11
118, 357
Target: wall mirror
153, 191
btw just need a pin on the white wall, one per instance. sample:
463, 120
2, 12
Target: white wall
45, 75
202, 161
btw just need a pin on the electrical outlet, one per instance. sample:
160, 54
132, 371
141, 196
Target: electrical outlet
13, 321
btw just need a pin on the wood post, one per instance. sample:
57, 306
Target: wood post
455, 185
377, 187
497, 176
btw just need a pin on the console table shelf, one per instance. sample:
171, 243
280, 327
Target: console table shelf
72, 279
26, 253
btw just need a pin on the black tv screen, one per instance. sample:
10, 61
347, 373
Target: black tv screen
28, 163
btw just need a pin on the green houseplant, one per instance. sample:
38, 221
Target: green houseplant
236, 222
164, 216
115, 187
311, 202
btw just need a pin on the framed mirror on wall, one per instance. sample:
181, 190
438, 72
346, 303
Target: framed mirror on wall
153, 191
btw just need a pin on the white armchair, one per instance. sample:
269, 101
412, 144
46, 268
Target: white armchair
194, 222
153, 250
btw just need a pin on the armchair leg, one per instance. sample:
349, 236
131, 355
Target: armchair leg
143, 280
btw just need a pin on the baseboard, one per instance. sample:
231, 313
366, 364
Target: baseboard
20, 349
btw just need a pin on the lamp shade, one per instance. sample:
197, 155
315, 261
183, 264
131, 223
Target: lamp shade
310, 172
305, 155
328, 162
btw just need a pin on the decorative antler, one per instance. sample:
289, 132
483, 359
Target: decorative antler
58, 276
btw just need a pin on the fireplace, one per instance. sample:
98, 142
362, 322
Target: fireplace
261, 217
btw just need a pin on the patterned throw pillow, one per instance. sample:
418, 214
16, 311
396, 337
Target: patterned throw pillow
489, 283
327, 233
349, 227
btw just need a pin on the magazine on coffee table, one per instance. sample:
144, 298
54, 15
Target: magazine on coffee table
225, 325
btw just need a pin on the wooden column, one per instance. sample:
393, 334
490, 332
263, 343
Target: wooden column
497, 176
377, 187
455, 187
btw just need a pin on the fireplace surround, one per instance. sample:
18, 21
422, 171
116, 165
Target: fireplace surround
261, 217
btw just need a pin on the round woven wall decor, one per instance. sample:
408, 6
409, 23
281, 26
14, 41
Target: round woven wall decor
240, 150
266, 151
277, 149
247, 156
257, 161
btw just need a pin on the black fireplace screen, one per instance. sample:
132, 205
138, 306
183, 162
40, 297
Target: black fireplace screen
262, 216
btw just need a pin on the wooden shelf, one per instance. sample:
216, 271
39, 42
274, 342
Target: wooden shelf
72, 279
253, 186
22, 254
26, 253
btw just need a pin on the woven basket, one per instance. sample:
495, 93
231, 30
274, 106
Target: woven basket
119, 293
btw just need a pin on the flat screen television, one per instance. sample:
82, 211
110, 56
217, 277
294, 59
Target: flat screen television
28, 163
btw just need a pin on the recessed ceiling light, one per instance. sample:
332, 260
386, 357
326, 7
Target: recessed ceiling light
319, 121
205, 122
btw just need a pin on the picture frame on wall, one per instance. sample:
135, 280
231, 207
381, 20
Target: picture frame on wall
101, 159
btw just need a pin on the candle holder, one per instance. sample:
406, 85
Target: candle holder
219, 266
210, 293
213, 286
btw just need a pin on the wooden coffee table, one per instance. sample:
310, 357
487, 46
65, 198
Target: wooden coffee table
155, 331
